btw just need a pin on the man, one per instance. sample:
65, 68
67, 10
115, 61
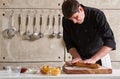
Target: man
86, 32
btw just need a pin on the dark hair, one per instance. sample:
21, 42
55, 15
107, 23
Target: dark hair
69, 7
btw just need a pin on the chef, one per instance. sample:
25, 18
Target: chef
86, 32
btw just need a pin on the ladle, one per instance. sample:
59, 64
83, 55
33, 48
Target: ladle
34, 35
41, 35
53, 25
10, 32
26, 35
59, 35
19, 23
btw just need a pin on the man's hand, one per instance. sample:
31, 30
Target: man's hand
101, 53
74, 61
89, 61
77, 60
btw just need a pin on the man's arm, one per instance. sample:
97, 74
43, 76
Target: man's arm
75, 55
101, 53
69, 42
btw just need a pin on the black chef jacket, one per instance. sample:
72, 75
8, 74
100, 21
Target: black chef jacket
89, 36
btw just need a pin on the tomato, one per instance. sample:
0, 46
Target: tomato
23, 70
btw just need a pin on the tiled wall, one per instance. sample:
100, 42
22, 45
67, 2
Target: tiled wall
46, 50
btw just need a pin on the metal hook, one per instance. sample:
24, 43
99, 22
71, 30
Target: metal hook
28, 12
12, 12
36, 12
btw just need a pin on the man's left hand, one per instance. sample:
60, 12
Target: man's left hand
89, 61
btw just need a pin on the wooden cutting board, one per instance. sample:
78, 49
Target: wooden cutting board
81, 70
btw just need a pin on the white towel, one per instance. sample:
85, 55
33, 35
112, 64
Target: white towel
106, 61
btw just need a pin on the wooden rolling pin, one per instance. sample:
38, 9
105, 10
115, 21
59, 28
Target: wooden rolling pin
87, 65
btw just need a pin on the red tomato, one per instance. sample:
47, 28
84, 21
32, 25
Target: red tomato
23, 70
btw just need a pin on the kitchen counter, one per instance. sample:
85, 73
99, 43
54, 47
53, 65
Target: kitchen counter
115, 75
